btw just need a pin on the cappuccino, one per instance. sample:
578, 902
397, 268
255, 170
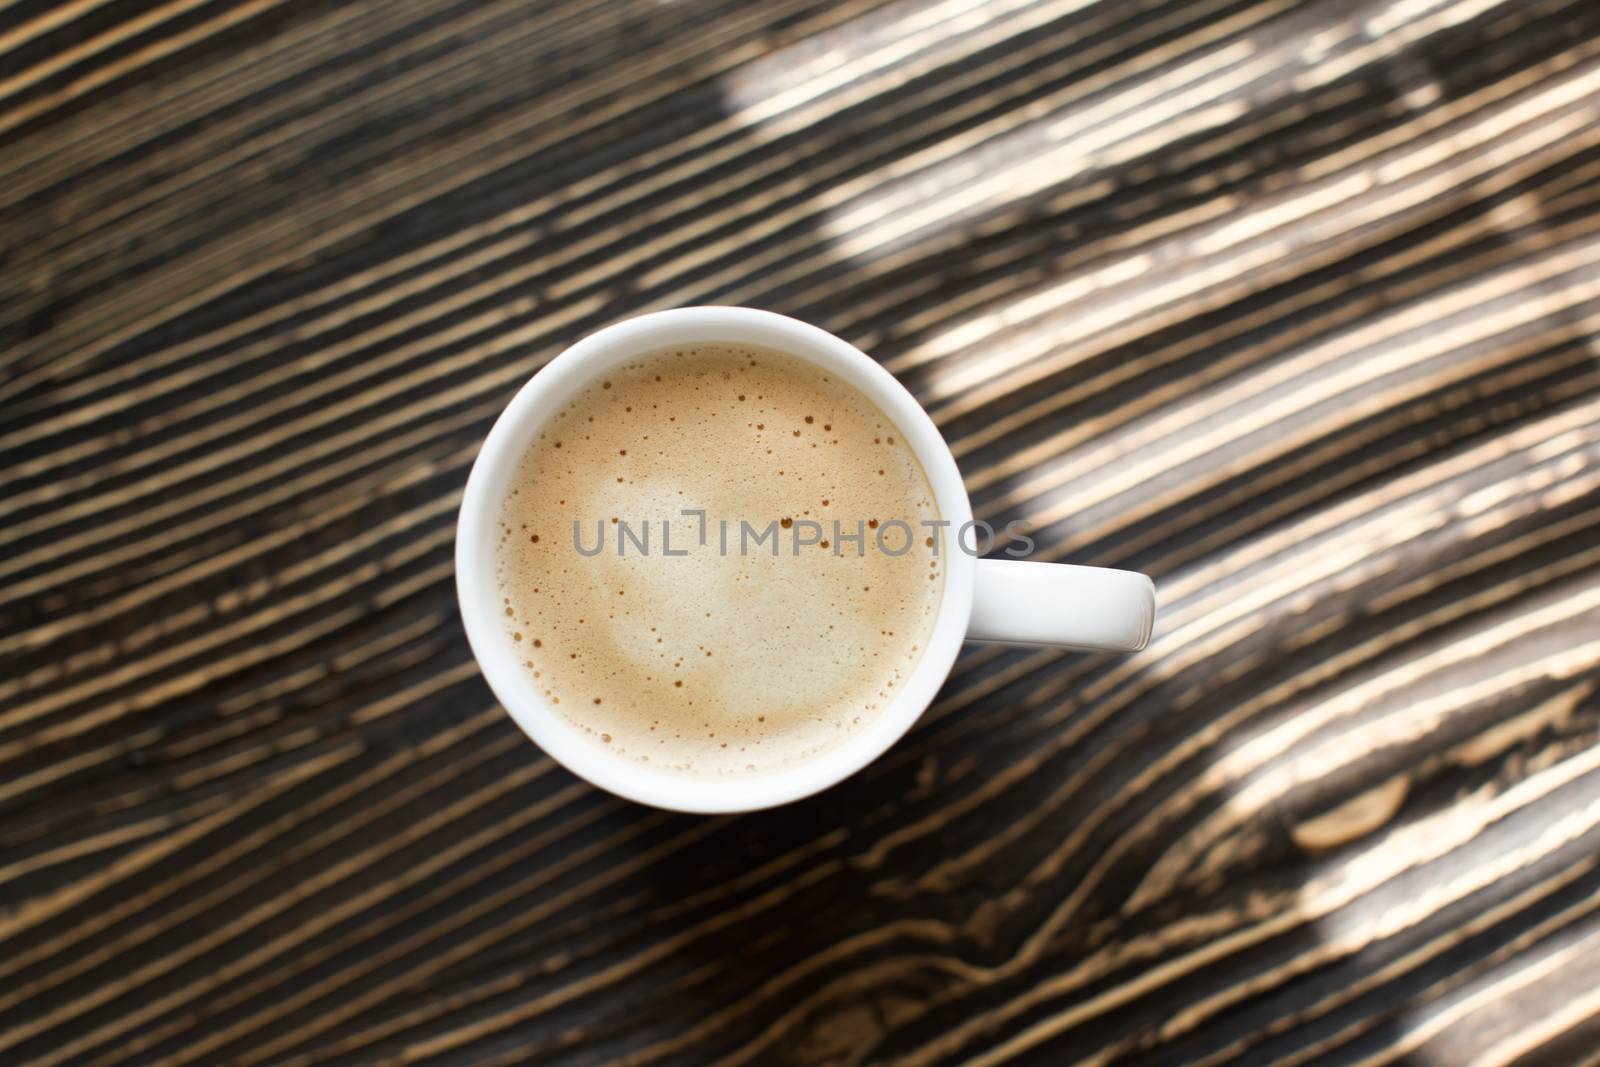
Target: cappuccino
719, 560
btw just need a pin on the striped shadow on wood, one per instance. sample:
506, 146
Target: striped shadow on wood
1292, 305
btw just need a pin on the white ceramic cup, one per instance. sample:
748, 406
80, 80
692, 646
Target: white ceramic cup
1007, 601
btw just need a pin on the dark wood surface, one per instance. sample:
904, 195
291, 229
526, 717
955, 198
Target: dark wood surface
1293, 306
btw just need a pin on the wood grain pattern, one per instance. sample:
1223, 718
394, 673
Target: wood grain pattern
1295, 306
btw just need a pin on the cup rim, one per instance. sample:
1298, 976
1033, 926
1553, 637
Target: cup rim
502, 450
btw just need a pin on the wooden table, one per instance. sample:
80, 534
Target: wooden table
1295, 307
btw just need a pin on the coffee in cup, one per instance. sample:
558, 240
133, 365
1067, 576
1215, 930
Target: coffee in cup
719, 560
821, 655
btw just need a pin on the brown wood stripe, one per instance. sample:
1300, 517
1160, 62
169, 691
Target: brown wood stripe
630, 190
1477, 925
1219, 785
167, 919
1292, 305
124, 31
1426, 839
208, 635
279, 242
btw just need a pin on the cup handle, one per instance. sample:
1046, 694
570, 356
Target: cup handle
1093, 609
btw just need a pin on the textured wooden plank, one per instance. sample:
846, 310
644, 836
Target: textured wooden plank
1293, 305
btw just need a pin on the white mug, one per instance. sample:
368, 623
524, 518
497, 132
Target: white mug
1006, 601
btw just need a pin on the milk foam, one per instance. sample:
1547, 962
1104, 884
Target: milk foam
710, 664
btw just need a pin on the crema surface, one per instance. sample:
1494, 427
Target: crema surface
750, 637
